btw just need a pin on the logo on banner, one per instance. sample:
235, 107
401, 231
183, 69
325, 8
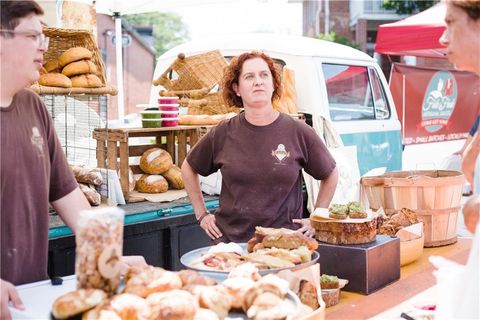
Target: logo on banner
439, 101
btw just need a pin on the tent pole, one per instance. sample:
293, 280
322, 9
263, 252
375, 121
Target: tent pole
119, 66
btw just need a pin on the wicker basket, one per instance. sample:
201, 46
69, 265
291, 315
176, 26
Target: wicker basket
434, 195
212, 103
64, 39
201, 71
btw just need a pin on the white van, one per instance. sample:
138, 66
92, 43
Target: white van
338, 82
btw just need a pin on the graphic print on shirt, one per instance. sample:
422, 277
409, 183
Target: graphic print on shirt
280, 153
37, 140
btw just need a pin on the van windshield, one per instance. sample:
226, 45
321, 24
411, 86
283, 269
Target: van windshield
349, 92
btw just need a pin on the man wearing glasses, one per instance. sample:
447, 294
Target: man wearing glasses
34, 170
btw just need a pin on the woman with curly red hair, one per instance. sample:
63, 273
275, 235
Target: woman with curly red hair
261, 154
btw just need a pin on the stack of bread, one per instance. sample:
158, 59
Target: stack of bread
88, 179
155, 293
73, 68
160, 173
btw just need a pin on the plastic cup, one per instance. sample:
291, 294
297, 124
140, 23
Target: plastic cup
167, 100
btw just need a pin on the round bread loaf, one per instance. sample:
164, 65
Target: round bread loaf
86, 81
75, 302
52, 66
174, 177
55, 80
155, 161
74, 54
152, 184
79, 67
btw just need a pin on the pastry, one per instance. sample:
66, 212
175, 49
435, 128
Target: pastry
76, 302
190, 277
338, 211
308, 294
329, 282
172, 305
152, 279
356, 210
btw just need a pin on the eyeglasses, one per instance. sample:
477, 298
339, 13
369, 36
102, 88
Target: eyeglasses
40, 38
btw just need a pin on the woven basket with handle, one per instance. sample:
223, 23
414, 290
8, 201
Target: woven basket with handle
201, 71
64, 39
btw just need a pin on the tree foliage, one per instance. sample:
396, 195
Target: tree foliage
168, 29
334, 37
408, 6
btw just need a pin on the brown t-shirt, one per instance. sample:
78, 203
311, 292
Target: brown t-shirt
261, 171
34, 172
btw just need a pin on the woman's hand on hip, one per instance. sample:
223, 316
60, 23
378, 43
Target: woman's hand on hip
306, 228
210, 226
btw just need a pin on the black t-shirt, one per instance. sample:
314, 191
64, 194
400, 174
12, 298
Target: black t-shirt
261, 171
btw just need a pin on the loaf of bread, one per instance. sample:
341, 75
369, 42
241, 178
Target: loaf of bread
87, 175
74, 54
76, 302
174, 177
86, 81
42, 71
79, 67
155, 161
152, 184
55, 80
289, 241
52, 66
93, 197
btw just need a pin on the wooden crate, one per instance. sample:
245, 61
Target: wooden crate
114, 150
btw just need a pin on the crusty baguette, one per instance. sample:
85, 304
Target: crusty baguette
87, 175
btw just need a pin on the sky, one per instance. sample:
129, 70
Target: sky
221, 17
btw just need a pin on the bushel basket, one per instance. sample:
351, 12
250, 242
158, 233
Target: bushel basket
434, 195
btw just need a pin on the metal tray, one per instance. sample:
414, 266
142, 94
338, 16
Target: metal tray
190, 257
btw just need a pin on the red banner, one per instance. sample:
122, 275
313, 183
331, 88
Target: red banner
440, 105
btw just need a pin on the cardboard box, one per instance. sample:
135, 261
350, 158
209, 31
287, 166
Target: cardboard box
367, 267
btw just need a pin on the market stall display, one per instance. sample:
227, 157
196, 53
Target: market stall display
114, 151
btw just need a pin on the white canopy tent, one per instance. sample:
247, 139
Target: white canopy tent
118, 8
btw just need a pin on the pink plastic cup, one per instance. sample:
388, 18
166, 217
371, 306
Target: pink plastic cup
168, 114
169, 122
168, 107
167, 100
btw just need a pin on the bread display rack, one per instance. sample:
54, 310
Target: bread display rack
62, 40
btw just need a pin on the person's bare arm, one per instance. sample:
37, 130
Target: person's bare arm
327, 190
192, 186
470, 158
465, 145
8, 293
69, 207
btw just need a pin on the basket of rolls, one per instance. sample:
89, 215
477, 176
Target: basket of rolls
73, 65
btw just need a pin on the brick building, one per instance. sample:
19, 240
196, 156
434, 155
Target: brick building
357, 20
